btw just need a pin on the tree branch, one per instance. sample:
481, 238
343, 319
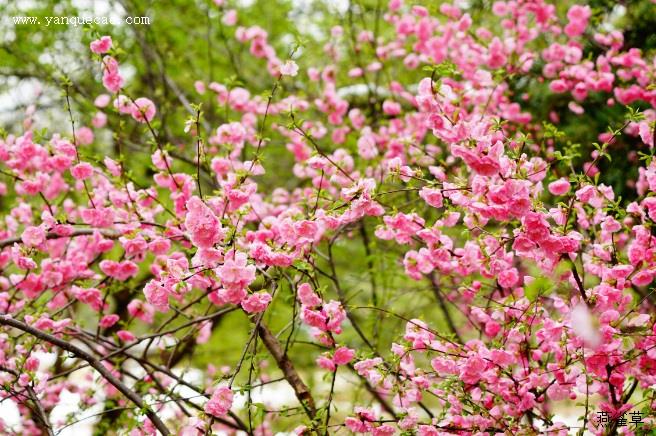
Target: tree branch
440, 300
302, 392
581, 288
51, 235
95, 363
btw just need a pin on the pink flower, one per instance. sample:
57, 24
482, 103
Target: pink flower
558, 86
108, 320
91, 296
432, 196
362, 422
231, 133
615, 411
134, 247
576, 108
391, 108
204, 227
383, 430
257, 302
643, 278
143, 311
162, 161
123, 104
84, 136
578, 17
22, 262
417, 263
492, 328
102, 100
326, 363
307, 296
508, 277
536, 227
33, 236
559, 187
98, 121
31, 364
204, 333
471, 371
120, 271
235, 273
143, 110
157, 294
220, 402
101, 45
314, 318
82, 171
113, 82
502, 358
230, 17
500, 8
497, 57
159, 246
343, 355
367, 147
335, 314
395, 5
486, 165
289, 68
125, 336
457, 182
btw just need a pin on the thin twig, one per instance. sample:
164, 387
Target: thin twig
95, 363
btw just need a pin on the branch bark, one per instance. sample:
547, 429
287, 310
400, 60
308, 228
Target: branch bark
95, 363
289, 372
580, 286
38, 410
51, 235
445, 310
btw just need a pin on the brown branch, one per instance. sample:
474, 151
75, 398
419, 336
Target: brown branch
612, 430
38, 407
440, 300
51, 235
152, 53
298, 129
95, 363
580, 286
289, 372
377, 395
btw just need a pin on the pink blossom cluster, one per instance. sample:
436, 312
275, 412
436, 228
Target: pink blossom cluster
440, 219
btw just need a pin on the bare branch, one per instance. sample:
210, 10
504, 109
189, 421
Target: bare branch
95, 363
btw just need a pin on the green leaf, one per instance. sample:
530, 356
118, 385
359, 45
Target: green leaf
302, 265
537, 287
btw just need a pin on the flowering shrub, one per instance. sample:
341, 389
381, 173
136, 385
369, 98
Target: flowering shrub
439, 257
